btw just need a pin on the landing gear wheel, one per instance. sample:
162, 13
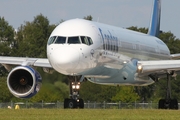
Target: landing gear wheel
81, 103
161, 104
173, 104
170, 104
72, 104
66, 103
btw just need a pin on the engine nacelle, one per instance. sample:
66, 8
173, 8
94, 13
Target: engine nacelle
24, 81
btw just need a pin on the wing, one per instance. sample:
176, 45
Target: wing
158, 69
37, 62
175, 56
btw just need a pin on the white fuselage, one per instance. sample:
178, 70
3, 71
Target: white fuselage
105, 54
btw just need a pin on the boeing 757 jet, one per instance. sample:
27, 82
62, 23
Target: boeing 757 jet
100, 53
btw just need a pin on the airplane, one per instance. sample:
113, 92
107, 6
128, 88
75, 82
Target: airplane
102, 54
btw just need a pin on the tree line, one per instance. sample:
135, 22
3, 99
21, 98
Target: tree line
30, 40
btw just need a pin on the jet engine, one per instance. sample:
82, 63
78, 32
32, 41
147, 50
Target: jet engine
24, 81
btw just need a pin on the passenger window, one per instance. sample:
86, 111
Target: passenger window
84, 40
73, 40
51, 40
60, 40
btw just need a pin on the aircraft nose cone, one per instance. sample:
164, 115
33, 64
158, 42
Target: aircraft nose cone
65, 59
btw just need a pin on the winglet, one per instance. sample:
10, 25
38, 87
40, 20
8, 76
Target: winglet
155, 19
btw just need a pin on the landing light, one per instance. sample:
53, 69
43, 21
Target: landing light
76, 85
73, 86
125, 62
139, 67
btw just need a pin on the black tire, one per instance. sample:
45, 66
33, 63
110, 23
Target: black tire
173, 104
72, 104
161, 104
66, 103
81, 103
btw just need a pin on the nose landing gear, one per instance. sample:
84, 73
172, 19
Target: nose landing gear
74, 101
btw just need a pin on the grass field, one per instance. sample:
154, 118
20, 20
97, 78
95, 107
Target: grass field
88, 114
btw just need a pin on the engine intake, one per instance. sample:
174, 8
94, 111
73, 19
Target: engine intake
24, 81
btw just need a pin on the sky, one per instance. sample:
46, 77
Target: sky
121, 13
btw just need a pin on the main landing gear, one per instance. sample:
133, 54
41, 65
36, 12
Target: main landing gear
168, 103
74, 101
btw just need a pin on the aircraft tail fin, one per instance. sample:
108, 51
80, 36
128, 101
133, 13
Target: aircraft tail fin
154, 27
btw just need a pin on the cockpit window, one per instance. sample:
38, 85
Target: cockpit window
60, 40
84, 40
73, 40
90, 40
51, 40
70, 40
